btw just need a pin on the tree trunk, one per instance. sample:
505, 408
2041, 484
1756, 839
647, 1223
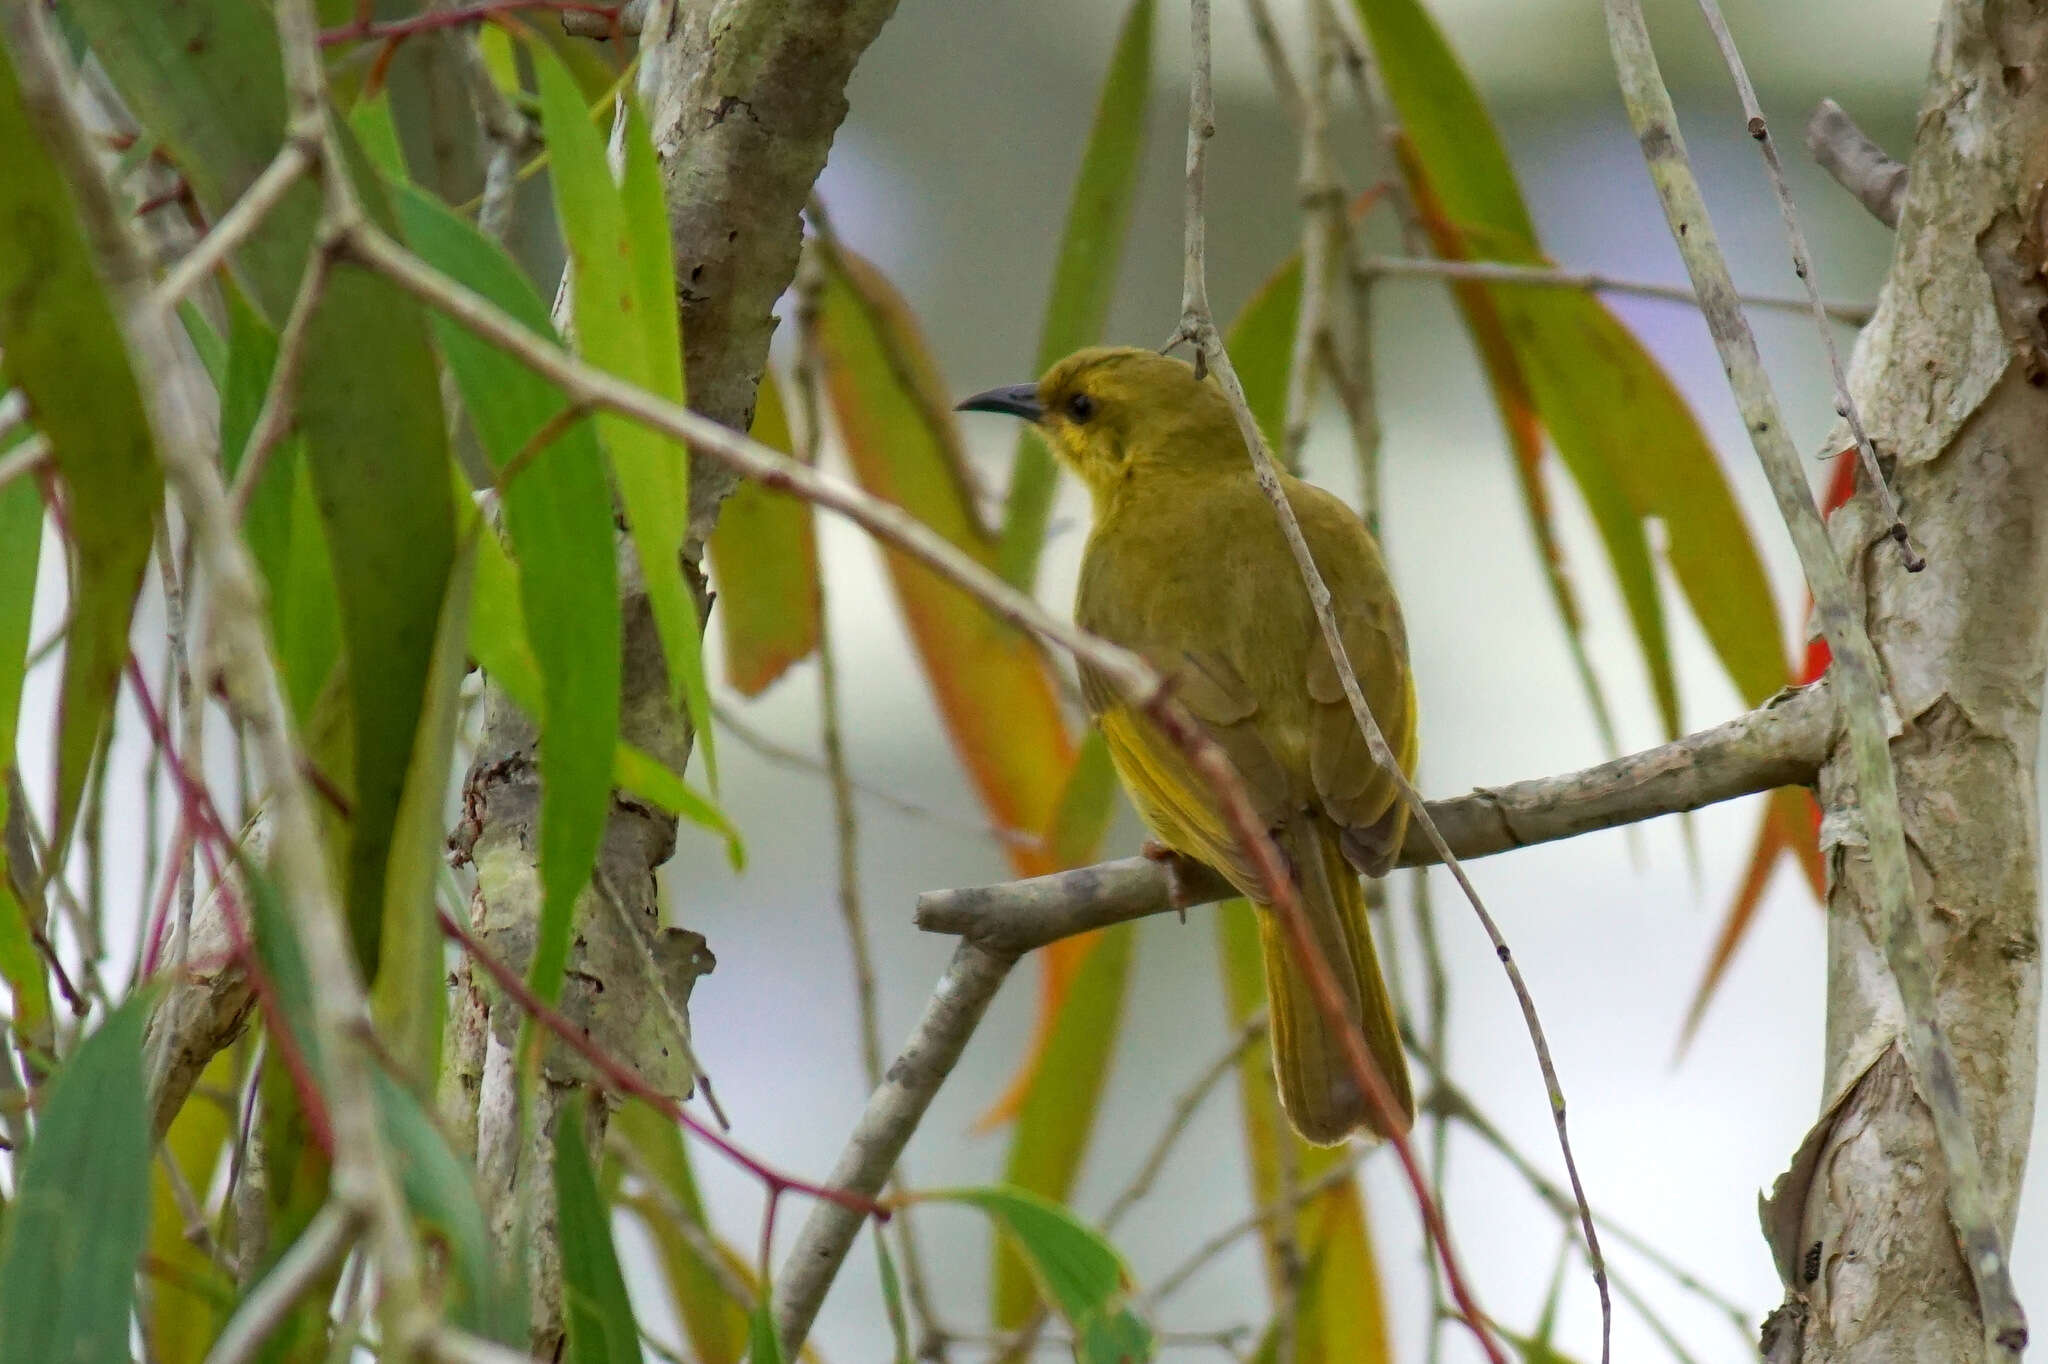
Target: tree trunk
743, 97
1950, 379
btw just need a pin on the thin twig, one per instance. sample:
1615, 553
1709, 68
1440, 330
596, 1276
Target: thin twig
1179, 1118
293, 160
297, 1272
274, 417
1552, 277
1198, 326
1174, 1279
1858, 164
729, 720
1855, 670
1802, 266
32, 456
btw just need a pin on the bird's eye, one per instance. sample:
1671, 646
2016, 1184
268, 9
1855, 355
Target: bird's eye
1080, 407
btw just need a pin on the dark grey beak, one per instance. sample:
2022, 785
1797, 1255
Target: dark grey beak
1018, 400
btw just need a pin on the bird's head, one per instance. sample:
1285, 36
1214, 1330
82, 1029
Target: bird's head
1115, 414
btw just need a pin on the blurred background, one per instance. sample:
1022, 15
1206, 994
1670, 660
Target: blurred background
952, 173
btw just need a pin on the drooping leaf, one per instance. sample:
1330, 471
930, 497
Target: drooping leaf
764, 558
1048, 1145
21, 538
1261, 341
1084, 279
282, 521
203, 77
1627, 437
187, 1300
81, 1208
993, 689
595, 1310
714, 1321
1078, 1273
763, 1345
558, 513
622, 279
441, 1193
892, 1295
409, 999
63, 348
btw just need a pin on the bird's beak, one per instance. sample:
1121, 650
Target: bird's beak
1018, 400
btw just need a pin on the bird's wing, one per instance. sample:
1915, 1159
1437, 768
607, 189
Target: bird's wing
1173, 799
1355, 793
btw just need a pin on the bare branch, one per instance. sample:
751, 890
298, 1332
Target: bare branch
1782, 743
1858, 679
236, 225
1802, 265
1858, 164
892, 1114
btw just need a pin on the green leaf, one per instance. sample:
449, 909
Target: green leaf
204, 77
764, 558
714, 1321
1084, 280
187, 1303
1087, 804
558, 511
282, 521
369, 404
498, 641
81, 1209
441, 1192
21, 539
1630, 443
892, 1294
1261, 341
409, 999
1057, 1116
623, 287
63, 348
595, 1310
763, 1345
1079, 1274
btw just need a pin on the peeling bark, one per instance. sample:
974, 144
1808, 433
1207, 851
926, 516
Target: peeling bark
1950, 378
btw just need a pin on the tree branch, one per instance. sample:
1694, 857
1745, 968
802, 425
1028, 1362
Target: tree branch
1858, 164
1858, 677
1782, 743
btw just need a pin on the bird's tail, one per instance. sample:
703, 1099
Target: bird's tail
1316, 1085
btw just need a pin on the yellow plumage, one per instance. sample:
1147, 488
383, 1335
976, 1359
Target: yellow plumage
1186, 565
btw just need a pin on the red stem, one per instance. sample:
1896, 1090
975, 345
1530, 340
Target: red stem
362, 29
622, 1078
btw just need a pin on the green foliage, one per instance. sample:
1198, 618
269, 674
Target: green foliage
1084, 279
623, 285
1077, 1272
21, 538
1054, 1124
715, 1322
892, 1294
81, 1207
63, 349
558, 512
1632, 446
764, 556
595, 1310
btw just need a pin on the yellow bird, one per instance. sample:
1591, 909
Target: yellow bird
1186, 565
